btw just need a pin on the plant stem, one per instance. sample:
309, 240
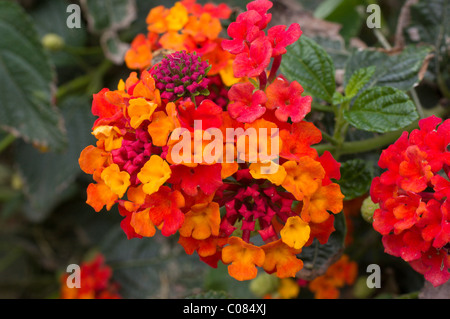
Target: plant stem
83, 82
375, 142
262, 81
6, 141
274, 69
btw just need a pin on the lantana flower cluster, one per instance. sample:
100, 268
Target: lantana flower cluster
160, 154
412, 192
95, 282
342, 272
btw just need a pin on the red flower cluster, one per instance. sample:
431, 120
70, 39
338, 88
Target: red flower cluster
414, 213
160, 152
95, 282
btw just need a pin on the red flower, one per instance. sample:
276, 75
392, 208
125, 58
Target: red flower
280, 38
287, 100
204, 177
243, 31
412, 193
246, 104
261, 6
254, 59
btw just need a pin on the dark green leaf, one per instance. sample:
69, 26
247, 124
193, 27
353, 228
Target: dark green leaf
381, 109
357, 81
356, 178
112, 15
49, 176
26, 79
156, 267
317, 258
309, 64
51, 17
400, 71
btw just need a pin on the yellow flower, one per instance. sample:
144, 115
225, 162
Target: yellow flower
118, 181
109, 136
271, 171
177, 17
140, 110
154, 174
295, 232
288, 288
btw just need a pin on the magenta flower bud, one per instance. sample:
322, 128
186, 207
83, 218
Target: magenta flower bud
181, 74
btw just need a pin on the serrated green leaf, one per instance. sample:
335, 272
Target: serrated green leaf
26, 79
48, 177
381, 109
358, 79
49, 17
156, 267
109, 15
399, 71
317, 258
356, 178
309, 64
429, 22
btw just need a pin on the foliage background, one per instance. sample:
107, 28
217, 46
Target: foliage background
45, 121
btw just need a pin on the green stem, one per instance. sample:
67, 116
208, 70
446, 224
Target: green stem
329, 138
84, 81
375, 142
6, 141
340, 129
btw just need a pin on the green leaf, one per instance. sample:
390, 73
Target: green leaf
49, 17
343, 12
429, 22
317, 258
399, 71
309, 64
26, 79
381, 109
356, 178
112, 15
48, 177
358, 79
156, 267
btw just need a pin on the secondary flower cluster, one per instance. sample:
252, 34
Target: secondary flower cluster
258, 209
414, 213
94, 282
342, 272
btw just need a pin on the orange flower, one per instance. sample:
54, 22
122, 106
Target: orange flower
109, 137
202, 221
92, 159
173, 40
326, 198
118, 181
337, 275
156, 19
139, 56
177, 17
154, 174
282, 259
244, 258
99, 195
160, 128
142, 224
303, 178
203, 28
140, 110
270, 171
295, 232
